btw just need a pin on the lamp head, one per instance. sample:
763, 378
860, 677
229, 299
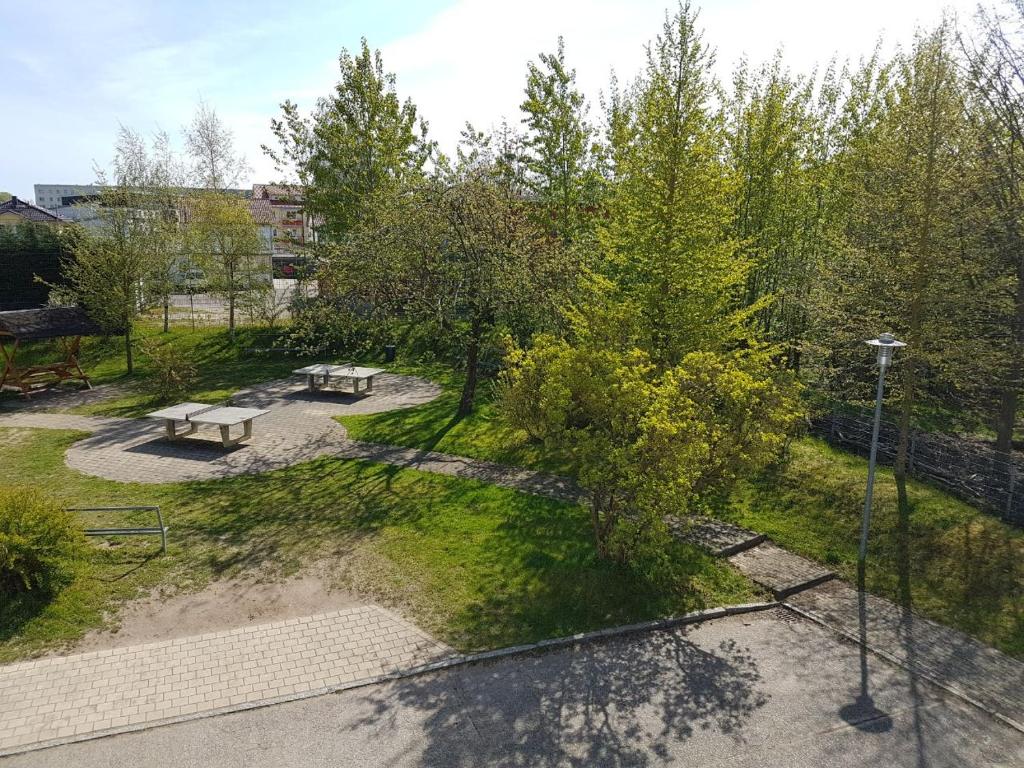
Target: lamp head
886, 344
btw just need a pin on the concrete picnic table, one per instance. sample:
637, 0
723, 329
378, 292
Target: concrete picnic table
319, 375
196, 414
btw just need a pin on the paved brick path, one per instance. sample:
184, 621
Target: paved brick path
61, 398
86, 694
299, 427
719, 538
939, 653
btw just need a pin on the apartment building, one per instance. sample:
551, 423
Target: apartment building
292, 228
52, 196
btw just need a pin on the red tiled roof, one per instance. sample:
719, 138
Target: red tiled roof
28, 211
291, 193
260, 210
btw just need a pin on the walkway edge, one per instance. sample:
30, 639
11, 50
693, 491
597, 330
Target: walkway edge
893, 659
694, 617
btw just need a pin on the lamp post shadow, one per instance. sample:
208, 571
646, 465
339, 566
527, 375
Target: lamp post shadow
862, 713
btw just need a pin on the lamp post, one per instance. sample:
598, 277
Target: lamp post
886, 344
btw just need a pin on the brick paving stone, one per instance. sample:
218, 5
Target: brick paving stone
299, 427
778, 570
127, 687
945, 655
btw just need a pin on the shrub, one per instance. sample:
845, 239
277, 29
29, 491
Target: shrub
39, 541
647, 442
321, 324
173, 375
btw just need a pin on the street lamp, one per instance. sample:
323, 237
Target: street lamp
886, 344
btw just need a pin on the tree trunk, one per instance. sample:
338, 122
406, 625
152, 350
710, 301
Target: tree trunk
1006, 418
595, 520
129, 362
472, 369
231, 316
167, 312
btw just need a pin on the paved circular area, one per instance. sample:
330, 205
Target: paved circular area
298, 427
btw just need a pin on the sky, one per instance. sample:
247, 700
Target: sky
72, 72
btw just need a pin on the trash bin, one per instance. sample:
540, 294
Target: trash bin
389, 353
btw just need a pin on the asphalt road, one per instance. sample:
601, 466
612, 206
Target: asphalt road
749, 691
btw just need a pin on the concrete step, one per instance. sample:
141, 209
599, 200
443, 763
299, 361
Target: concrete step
720, 538
780, 571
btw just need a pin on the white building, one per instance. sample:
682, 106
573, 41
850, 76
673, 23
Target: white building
52, 195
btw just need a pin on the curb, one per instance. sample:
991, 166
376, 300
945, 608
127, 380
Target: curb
893, 659
800, 586
694, 617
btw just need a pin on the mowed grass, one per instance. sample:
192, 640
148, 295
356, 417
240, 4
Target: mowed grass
223, 365
959, 566
477, 565
483, 434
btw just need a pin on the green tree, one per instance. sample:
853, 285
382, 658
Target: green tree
224, 241
4, 197
915, 258
113, 271
359, 140
558, 160
457, 256
648, 443
781, 143
161, 174
996, 78
666, 242
216, 165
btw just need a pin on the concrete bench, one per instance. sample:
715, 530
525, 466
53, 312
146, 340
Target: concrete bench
194, 415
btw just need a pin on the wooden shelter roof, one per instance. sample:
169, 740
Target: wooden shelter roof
47, 323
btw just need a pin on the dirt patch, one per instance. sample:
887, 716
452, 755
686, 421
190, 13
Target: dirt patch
220, 606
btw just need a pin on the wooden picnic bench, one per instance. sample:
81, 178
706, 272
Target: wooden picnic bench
194, 415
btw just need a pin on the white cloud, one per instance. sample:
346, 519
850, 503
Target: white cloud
469, 61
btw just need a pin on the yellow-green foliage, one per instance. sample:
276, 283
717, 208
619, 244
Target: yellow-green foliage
38, 541
645, 442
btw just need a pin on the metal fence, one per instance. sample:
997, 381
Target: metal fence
968, 469
201, 309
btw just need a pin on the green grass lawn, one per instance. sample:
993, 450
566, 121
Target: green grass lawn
484, 434
963, 568
223, 366
477, 565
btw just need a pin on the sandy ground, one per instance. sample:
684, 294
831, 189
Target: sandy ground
222, 605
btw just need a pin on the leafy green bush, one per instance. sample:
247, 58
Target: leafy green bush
323, 325
39, 541
173, 375
647, 442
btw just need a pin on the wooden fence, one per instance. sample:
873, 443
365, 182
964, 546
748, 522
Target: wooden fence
968, 469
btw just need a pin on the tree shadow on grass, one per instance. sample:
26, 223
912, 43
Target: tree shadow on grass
544, 579
628, 701
18, 610
484, 566
96, 566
